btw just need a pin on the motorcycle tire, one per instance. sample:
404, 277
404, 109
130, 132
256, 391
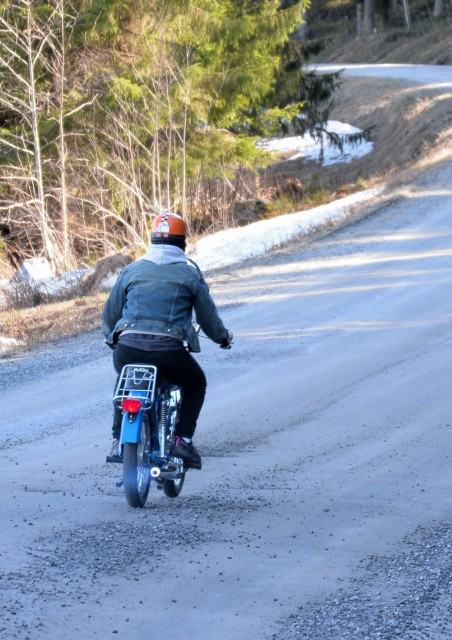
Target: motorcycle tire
136, 469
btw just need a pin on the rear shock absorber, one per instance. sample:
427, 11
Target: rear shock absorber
162, 424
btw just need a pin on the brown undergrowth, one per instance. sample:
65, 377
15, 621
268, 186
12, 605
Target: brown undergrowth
44, 323
411, 129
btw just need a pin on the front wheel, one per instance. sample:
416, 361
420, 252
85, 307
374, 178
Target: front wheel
136, 468
172, 488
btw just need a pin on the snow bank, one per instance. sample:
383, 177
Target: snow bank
234, 245
8, 345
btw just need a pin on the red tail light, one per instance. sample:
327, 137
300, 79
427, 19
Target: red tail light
131, 405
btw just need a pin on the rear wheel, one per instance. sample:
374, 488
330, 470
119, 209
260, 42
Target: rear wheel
136, 468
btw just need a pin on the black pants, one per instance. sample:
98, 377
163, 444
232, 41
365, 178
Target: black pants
180, 368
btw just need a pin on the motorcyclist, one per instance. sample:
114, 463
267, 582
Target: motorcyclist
147, 318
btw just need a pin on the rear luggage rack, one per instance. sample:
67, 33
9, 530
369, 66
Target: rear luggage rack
137, 381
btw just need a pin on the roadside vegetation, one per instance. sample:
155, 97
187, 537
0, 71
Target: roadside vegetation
392, 31
112, 112
125, 128
32, 326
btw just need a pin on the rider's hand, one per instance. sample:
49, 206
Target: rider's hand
227, 342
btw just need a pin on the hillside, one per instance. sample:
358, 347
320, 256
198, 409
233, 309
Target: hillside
410, 124
411, 129
332, 28
430, 45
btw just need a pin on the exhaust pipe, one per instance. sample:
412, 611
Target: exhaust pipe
156, 472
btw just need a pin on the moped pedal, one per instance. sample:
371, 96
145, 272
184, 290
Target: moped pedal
119, 483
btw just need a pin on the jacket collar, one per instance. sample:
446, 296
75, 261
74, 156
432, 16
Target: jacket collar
164, 254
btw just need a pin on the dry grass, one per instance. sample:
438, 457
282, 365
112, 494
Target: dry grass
52, 321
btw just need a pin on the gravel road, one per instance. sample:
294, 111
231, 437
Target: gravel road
429, 74
323, 508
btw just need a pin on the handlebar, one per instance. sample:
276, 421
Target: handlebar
227, 342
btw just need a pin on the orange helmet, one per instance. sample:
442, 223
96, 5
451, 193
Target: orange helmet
168, 228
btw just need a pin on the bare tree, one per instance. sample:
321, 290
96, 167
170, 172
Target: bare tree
368, 17
406, 14
438, 9
146, 136
59, 61
22, 43
33, 89
64, 21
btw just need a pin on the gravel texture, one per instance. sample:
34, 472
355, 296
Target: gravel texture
407, 595
50, 358
323, 507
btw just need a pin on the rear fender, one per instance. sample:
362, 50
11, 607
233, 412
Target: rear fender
131, 427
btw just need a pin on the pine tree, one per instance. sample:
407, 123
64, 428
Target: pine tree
182, 93
195, 81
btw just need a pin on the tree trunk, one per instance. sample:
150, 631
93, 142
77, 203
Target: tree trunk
359, 20
63, 150
406, 14
369, 14
48, 246
438, 9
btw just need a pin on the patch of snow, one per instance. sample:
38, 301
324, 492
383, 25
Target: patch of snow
38, 274
308, 147
35, 270
234, 245
8, 345
64, 282
108, 282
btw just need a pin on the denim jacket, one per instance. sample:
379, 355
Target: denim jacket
159, 298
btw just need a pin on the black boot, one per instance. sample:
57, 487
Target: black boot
187, 452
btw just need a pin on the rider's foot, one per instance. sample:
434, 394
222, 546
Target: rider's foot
115, 453
187, 452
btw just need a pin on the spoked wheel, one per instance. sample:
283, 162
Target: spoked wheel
172, 488
136, 468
